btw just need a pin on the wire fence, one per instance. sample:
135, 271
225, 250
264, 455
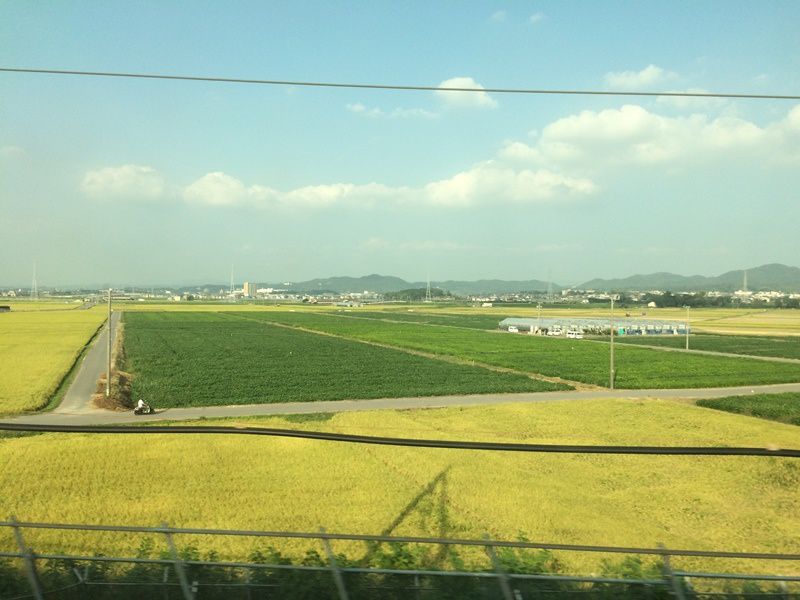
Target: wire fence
183, 574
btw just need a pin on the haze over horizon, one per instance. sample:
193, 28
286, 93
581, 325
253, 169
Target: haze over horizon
132, 181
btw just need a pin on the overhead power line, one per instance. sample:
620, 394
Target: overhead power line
402, 88
418, 443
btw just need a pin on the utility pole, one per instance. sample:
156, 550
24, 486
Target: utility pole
539, 317
611, 333
687, 326
108, 373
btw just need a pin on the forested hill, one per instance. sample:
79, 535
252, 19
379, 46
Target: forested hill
766, 277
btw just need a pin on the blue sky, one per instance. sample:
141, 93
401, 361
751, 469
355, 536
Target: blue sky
145, 182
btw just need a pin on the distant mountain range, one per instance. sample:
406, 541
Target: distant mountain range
383, 284
766, 277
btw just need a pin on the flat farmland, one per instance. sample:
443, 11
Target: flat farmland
749, 321
200, 359
784, 408
783, 347
574, 360
37, 350
469, 321
248, 482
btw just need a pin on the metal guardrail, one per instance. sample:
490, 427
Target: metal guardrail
677, 582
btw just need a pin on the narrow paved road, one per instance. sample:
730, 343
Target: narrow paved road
103, 417
78, 396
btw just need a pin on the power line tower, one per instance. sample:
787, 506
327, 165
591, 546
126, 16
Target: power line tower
230, 293
549, 286
428, 297
34, 286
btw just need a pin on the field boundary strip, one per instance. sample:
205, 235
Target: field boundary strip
440, 357
412, 442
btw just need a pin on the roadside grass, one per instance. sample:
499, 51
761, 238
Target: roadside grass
784, 408
249, 482
573, 360
201, 359
785, 347
37, 350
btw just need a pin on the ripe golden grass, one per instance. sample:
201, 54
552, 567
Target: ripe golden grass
37, 349
714, 503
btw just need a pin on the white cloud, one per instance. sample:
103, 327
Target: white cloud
568, 247
396, 113
690, 102
491, 182
126, 181
12, 152
633, 135
380, 244
375, 243
434, 246
632, 80
499, 16
486, 183
219, 189
536, 18
462, 99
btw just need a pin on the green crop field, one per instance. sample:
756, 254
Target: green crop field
713, 503
199, 359
786, 347
477, 321
37, 349
575, 360
784, 408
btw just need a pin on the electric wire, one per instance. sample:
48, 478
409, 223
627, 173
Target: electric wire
396, 87
408, 442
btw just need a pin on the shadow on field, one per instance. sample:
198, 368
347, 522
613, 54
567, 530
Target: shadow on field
431, 505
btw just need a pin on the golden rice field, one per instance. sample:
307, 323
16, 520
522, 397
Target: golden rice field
715, 503
37, 349
39, 305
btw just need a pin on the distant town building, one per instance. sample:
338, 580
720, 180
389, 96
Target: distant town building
249, 290
622, 326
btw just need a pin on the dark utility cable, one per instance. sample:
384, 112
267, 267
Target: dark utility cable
417, 443
402, 88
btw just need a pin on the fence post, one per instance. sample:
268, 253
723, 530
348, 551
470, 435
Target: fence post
179, 566
30, 561
502, 576
673, 582
334, 566
164, 587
